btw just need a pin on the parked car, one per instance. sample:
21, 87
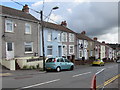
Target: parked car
58, 64
98, 62
118, 61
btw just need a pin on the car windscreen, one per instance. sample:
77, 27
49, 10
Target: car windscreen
50, 60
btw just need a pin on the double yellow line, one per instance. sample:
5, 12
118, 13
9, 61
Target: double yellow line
109, 81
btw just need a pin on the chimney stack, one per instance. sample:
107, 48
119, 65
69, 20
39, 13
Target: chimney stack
64, 23
25, 8
103, 42
83, 32
95, 38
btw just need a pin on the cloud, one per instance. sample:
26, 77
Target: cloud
55, 18
69, 10
95, 18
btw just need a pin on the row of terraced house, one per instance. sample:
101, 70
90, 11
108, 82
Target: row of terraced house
21, 41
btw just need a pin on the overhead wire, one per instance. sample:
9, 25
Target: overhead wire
36, 10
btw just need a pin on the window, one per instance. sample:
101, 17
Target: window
71, 49
49, 35
9, 26
49, 50
59, 37
66, 60
71, 37
91, 53
27, 28
28, 47
64, 37
80, 53
61, 60
9, 46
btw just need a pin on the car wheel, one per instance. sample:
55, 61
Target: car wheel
72, 67
58, 69
47, 70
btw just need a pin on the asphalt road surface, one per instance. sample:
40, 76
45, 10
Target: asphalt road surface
80, 77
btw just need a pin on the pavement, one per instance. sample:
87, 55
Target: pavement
5, 72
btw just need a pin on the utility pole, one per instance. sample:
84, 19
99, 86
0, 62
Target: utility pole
43, 50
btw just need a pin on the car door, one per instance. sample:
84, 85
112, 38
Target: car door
62, 63
67, 64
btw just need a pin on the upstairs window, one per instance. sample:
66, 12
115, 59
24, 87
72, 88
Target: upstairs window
9, 26
49, 35
27, 28
71, 37
64, 37
59, 37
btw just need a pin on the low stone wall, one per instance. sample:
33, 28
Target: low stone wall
10, 64
22, 62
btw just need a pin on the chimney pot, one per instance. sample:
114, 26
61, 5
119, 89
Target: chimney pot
25, 8
95, 38
63, 23
103, 42
83, 32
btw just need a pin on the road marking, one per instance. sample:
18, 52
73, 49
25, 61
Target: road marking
40, 84
81, 74
110, 67
109, 81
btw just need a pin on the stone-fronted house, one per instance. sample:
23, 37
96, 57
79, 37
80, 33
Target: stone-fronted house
58, 40
85, 46
97, 46
19, 34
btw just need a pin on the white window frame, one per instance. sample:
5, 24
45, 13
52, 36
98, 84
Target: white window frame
51, 49
64, 37
81, 53
59, 37
31, 47
49, 35
71, 37
9, 21
69, 49
27, 24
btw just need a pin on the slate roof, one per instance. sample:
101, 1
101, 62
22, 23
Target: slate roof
17, 13
57, 27
81, 36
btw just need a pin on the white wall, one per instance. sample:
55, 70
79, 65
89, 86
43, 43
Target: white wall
0, 39
102, 51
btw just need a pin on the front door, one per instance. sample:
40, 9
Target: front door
59, 51
9, 50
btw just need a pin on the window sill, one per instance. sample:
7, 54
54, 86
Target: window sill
27, 33
9, 32
28, 52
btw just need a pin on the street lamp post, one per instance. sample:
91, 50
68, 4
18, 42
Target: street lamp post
42, 28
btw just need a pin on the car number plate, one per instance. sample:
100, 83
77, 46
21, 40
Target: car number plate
48, 68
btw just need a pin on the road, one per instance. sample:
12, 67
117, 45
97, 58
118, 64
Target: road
80, 77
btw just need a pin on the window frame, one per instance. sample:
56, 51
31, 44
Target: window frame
49, 49
64, 37
31, 47
8, 21
28, 24
71, 37
49, 35
69, 49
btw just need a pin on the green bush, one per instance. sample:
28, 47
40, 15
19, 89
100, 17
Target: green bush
25, 67
31, 67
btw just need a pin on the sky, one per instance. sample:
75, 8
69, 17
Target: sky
99, 18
